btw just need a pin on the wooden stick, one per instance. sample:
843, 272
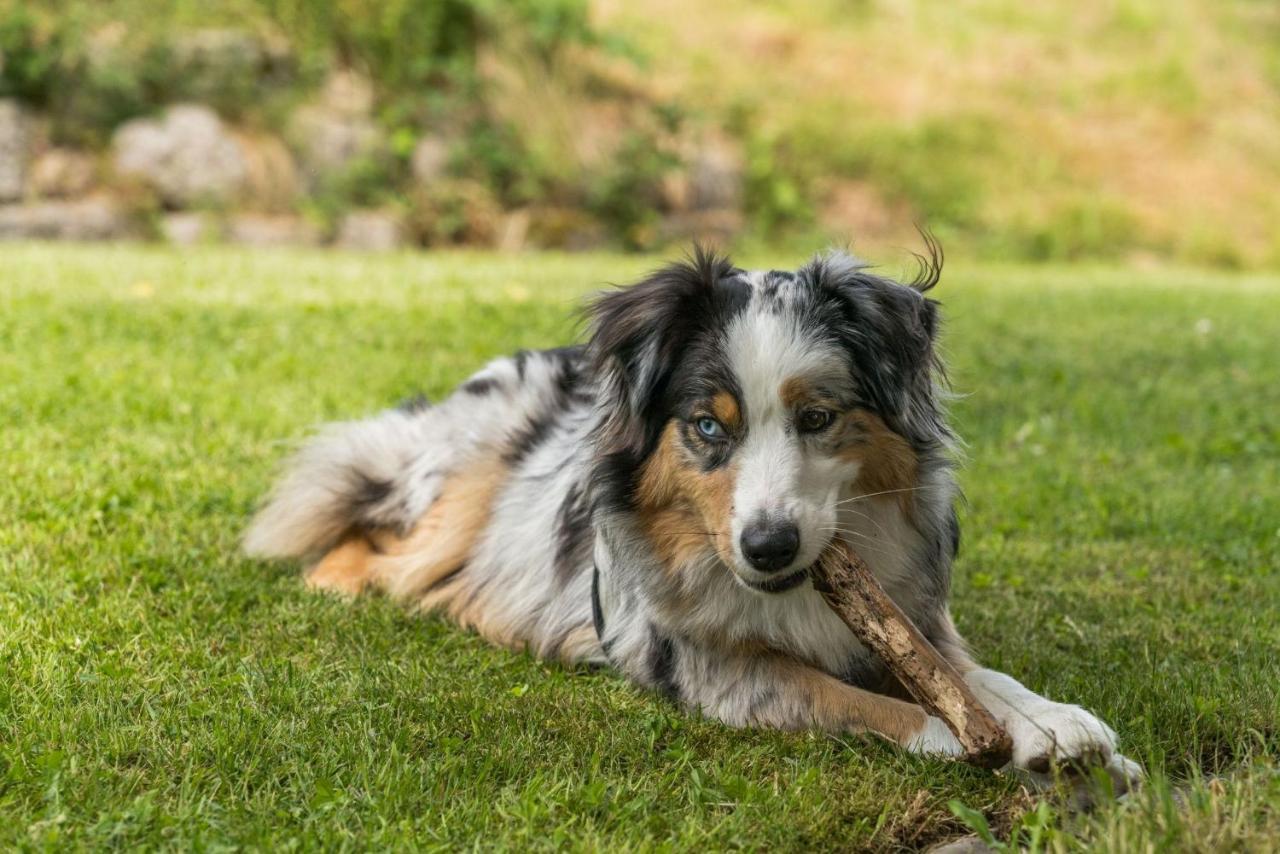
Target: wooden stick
853, 592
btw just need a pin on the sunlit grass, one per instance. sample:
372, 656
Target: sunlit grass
156, 689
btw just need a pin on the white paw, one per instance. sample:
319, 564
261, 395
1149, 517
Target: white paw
1071, 738
1056, 732
934, 739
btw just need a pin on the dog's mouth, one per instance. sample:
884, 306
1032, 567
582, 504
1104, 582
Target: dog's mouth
780, 584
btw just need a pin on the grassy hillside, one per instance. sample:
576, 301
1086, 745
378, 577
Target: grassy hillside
1032, 130
159, 690
1135, 130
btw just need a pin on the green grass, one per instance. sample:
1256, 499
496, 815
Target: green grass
158, 690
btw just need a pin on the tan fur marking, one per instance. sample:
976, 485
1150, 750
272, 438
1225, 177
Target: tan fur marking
443, 539
888, 463
795, 392
841, 707
724, 407
580, 644
473, 613
681, 508
346, 569
439, 544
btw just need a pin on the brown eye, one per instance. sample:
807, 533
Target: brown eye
815, 420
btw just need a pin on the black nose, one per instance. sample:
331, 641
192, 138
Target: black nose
770, 546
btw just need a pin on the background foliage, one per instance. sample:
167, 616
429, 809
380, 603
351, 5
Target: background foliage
1046, 131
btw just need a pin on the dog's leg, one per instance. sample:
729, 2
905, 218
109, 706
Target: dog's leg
346, 570
1045, 733
769, 690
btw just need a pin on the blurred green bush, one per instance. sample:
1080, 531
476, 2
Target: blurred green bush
1038, 133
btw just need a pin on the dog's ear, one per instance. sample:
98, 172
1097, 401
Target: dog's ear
638, 335
889, 330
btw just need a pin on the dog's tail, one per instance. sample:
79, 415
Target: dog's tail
353, 476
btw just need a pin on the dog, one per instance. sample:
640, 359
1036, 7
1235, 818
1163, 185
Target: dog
651, 501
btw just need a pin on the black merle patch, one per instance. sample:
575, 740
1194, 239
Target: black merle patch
566, 390
413, 405
535, 432
479, 386
662, 663
597, 613
953, 533
886, 329
369, 492
653, 345
573, 535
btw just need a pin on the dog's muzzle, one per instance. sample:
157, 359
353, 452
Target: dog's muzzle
779, 585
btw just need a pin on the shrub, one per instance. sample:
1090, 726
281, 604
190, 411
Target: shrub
29, 55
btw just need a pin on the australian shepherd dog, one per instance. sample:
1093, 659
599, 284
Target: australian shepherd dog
651, 501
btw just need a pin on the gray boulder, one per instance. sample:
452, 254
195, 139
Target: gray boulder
15, 141
430, 160
187, 228
716, 176
262, 230
712, 178
336, 130
187, 156
371, 231
84, 219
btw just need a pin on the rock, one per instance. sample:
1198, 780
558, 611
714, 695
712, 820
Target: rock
15, 142
329, 143
263, 230
84, 219
271, 180
188, 157
371, 230
714, 227
60, 173
187, 228
348, 93
715, 176
338, 129
430, 160
712, 178
965, 845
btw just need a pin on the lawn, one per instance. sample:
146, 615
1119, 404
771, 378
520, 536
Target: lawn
1122, 536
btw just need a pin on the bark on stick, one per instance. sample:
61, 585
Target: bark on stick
853, 592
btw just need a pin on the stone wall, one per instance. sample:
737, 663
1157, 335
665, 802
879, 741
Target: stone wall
187, 175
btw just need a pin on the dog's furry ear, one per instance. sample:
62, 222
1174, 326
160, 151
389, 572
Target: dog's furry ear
889, 333
639, 332
929, 263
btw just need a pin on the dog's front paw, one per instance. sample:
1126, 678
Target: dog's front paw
1058, 733
1067, 737
934, 739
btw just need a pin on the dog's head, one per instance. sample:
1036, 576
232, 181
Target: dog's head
741, 408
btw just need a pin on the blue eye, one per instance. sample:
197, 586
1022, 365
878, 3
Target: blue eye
710, 428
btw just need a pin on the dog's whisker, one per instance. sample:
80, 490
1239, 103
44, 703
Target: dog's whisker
884, 492
869, 518
863, 536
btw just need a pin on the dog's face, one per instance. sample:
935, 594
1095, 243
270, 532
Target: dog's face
747, 410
